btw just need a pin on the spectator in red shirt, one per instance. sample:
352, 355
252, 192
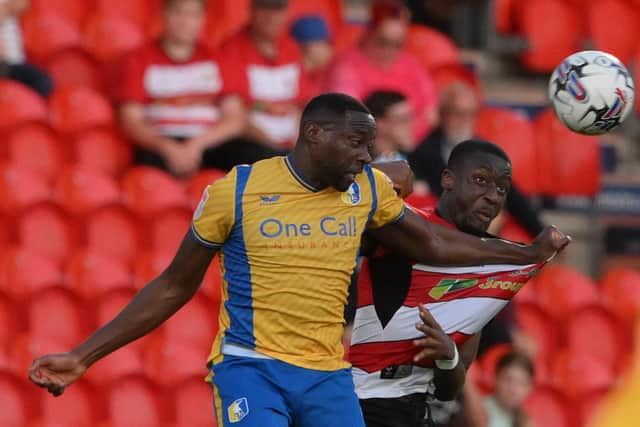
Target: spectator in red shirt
381, 62
265, 63
172, 102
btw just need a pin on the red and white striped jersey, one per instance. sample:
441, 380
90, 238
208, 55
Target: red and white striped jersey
461, 299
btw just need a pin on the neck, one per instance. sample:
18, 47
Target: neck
265, 45
304, 165
176, 50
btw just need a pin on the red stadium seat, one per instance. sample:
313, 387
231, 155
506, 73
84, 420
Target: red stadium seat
77, 407
81, 190
103, 151
579, 374
194, 324
513, 132
134, 401
620, 289
37, 148
19, 104
589, 405
348, 36
149, 265
212, 283
148, 191
168, 229
592, 330
74, 67
577, 174
21, 188
138, 12
10, 324
175, 362
616, 38
548, 408
18, 405
23, 272
47, 33
433, 48
91, 273
44, 228
197, 184
535, 323
76, 11
75, 109
108, 37
553, 31
422, 201
193, 403
57, 314
512, 230
330, 10
563, 290
115, 232
225, 18
124, 362
503, 15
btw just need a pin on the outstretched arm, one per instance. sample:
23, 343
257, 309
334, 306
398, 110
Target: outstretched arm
154, 304
434, 244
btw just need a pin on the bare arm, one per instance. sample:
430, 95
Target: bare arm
430, 243
137, 127
154, 304
449, 383
234, 121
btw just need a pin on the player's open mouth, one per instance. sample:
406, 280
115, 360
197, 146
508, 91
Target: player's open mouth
484, 216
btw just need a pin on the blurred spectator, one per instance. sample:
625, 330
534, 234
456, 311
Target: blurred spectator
458, 110
381, 62
312, 34
172, 103
12, 58
394, 118
265, 69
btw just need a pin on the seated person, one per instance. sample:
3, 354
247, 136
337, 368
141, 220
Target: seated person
394, 120
312, 34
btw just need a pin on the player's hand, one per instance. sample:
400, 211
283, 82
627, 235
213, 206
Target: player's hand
400, 174
436, 344
56, 372
548, 243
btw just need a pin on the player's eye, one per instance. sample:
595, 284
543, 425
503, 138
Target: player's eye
501, 189
480, 180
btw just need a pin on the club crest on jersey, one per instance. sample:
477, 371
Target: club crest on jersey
203, 201
352, 195
238, 410
446, 286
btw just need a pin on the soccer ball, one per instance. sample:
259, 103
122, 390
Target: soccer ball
592, 92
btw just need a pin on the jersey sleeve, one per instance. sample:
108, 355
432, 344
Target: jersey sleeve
131, 71
390, 207
214, 217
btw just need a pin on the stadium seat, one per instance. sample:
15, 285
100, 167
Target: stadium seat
197, 184
589, 405
91, 273
75, 109
47, 33
108, 37
172, 362
433, 48
46, 229
148, 191
617, 39
512, 230
535, 323
75, 67
578, 174
149, 265
37, 148
348, 36
18, 402
19, 104
195, 324
103, 151
620, 288
168, 228
553, 31
135, 401
563, 290
76, 11
115, 232
225, 18
10, 324
594, 321
77, 407
579, 374
82, 190
193, 404
21, 188
139, 12
503, 15
513, 132
422, 201
124, 362
549, 408
57, 314
212, 283
330, 10
23, 272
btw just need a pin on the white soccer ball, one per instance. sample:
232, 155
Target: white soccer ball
592, 92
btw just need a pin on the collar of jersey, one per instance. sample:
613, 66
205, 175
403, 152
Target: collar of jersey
288, 160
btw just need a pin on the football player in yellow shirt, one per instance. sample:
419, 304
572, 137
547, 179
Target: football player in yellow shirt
288, 231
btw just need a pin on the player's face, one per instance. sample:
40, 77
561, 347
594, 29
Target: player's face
513, 385
479, 189
345, 149
183, 21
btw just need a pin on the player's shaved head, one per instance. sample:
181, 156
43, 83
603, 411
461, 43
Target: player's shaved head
472, 149
331, 107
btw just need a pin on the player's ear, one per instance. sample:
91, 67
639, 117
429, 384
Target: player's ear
447, 179
313, 132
